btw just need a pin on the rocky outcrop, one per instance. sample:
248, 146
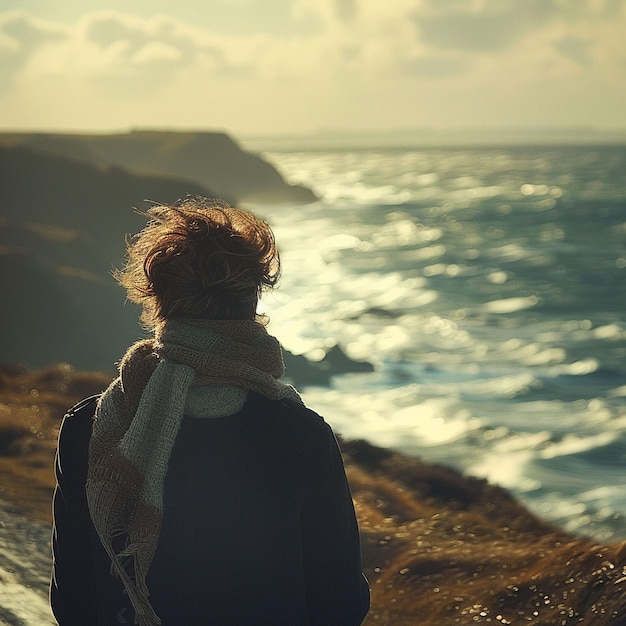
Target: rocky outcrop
304, 372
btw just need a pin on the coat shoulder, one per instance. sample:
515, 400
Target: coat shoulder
83, 409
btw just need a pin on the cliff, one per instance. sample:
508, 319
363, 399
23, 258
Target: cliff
63, 225
212, 160
67, 204
438, 548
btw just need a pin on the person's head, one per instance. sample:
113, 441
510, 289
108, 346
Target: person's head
199, 258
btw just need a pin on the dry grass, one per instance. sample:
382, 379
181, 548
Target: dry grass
441, 549
32, 404
438, 549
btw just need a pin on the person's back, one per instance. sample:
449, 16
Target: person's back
233, 494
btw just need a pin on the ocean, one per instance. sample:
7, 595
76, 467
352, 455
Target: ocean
487, 286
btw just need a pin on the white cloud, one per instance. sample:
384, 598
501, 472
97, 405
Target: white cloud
21, 36
417, 37
155, 52
365, 62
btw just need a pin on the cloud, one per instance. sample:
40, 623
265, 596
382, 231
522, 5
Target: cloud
155, 52
436, 67
134, 43
23, 33
20, 36
472, 32
417, 36
492, 26
346, 10
352, 60
105, 29
575, 48
495, 26
422, 39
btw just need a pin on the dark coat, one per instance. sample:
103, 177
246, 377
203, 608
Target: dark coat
258, 526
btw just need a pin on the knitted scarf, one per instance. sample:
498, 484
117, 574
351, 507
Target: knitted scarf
137, 420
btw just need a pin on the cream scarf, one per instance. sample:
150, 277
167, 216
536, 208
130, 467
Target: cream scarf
137, 420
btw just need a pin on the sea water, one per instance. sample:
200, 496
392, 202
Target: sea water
487, 286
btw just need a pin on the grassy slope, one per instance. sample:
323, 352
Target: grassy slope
438, 548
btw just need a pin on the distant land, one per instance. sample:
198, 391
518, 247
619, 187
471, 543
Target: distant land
66, 206
432, 138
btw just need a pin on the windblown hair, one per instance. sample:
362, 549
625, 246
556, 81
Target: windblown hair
199, 258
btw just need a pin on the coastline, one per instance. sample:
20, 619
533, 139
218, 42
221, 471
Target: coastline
436, 544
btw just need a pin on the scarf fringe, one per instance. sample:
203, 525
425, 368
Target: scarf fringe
137, 589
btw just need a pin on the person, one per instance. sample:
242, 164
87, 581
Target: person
198, 488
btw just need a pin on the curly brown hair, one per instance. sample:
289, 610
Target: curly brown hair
199, 258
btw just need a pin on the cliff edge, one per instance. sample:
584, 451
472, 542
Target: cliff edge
438, 548
212, 160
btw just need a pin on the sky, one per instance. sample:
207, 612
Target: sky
302, 66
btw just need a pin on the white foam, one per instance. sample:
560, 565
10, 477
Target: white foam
610, 331
575, 444
507, 470
617, 392
511, 305
432, 422
578, 368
